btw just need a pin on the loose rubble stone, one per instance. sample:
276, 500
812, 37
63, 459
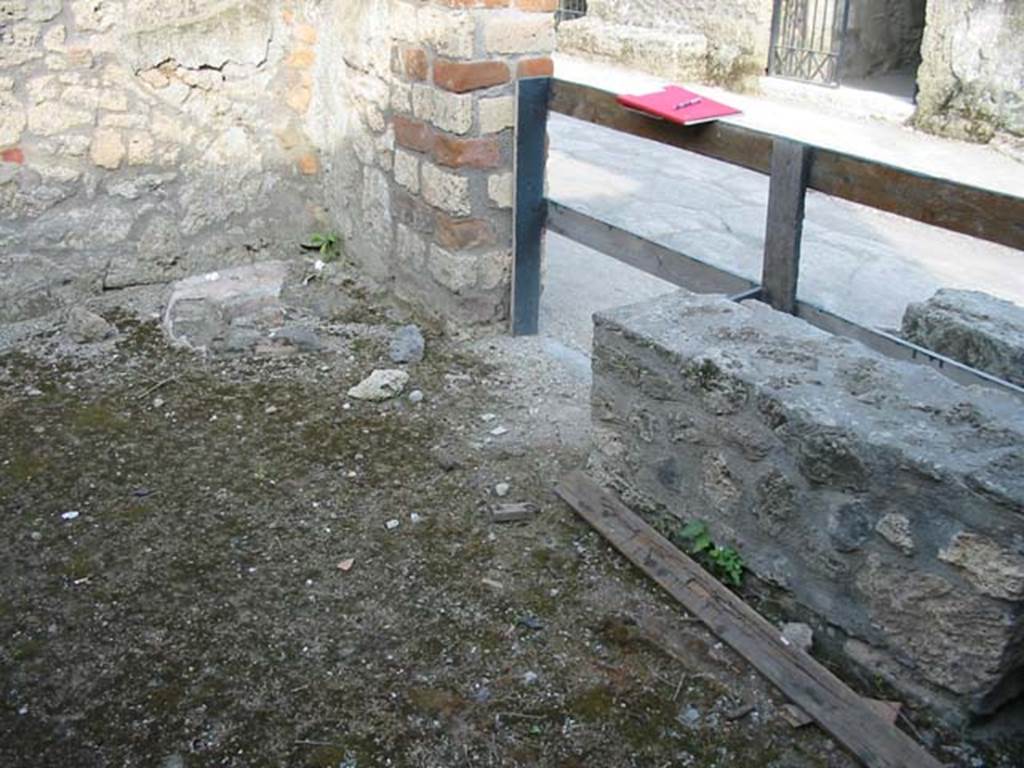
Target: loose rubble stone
85, 327
973, 328
407, 346
799, 636
231, 310
380, 385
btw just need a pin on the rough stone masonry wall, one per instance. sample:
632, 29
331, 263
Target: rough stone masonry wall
722, 41
879, 495
972, 80
145, 140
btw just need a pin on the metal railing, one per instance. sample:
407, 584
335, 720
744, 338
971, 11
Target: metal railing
793, 168
570, 9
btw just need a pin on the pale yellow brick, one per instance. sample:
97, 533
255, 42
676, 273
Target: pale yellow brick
497, 114
499, 189
444, 190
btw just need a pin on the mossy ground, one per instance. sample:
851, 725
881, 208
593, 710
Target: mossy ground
195, 606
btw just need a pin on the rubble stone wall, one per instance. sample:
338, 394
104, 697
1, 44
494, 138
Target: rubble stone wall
146, 140
687, 40
972, 80
882, 497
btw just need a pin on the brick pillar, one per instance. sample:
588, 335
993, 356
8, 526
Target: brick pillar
455, 64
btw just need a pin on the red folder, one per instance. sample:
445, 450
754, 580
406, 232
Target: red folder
678, 105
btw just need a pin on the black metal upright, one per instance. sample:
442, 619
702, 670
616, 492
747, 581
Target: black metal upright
530, 207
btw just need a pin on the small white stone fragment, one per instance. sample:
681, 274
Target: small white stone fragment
380, 385
501, 490
416, 518
392, 524
270, 409
488, 417
499, 431
415, 397
72, 515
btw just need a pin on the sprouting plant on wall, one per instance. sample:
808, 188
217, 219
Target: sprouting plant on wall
328, 244
725, 562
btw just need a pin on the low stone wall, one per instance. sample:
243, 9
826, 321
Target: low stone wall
882, 497
972, 327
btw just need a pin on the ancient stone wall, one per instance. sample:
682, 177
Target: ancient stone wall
724, 42
972, 80
145, 140
880, 496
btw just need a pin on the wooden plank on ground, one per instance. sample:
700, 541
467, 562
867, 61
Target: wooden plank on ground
839, 710
982, 213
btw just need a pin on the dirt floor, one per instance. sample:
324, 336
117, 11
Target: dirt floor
193, 612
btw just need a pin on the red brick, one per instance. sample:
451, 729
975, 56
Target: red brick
413, 134
14, 155
542, 67
460, 77
467, 153
543, 6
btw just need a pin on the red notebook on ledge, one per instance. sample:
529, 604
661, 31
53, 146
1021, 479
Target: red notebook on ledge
678, 105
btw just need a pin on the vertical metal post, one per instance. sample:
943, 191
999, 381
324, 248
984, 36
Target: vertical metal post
791, 164
530, 206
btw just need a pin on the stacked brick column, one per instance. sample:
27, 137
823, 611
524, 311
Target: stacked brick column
455, 64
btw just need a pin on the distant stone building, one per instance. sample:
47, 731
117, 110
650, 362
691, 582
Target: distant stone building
963, 60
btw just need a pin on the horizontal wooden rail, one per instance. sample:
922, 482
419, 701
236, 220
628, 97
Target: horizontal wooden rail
650, 257
700, 277
973, 211
794, 167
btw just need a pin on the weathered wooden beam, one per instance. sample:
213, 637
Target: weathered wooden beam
839, 710
981, 213
791, 165
530, 207
646, 255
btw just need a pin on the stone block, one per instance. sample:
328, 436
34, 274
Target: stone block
445, 190
972, 327
497, 114
879, 495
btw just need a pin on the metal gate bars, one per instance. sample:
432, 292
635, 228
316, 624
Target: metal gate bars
807, 40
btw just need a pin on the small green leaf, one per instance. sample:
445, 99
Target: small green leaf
693, 529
